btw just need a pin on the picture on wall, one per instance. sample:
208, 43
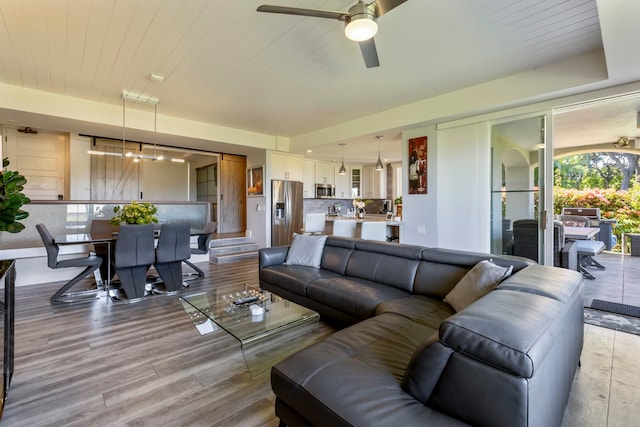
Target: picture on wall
418, 165
254, 181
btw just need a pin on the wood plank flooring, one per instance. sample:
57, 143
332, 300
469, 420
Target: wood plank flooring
145, 364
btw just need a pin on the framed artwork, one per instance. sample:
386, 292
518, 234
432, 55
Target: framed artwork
418, 165
254, 181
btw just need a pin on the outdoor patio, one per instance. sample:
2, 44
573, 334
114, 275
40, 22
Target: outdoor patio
619, 283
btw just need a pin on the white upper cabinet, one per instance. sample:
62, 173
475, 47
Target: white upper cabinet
290, 168
309, 181
343, 184
325, 173
374, 183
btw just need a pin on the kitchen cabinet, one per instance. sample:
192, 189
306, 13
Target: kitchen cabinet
309, 179
355, 177
343, 184
290, 168
374, 183
325, 173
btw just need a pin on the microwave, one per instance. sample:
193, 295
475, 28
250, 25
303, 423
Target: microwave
325, 191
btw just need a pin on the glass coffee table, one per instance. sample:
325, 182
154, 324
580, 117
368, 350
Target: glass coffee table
264, 338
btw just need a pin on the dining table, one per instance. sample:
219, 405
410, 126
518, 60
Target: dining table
580, 233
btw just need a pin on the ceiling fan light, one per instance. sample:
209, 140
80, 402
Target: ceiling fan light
361, 27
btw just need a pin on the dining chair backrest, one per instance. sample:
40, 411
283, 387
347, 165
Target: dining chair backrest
135, 246
374, 230
49, 245
205, 239
344, 227
173, 243
314, 223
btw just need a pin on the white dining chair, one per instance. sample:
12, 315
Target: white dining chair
344, 227
314, 223
374, 230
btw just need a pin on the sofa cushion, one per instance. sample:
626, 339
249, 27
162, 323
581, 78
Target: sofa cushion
357, 297
418, 308
390, 270
354, 376
306, 250
478, 282
294, 278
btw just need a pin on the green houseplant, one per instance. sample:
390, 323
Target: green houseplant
135, 213
11, 200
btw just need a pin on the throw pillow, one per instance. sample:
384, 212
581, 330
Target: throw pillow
478, 282
306, 250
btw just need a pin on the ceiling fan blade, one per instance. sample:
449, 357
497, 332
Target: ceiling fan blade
384, 6
315, 13
369, 53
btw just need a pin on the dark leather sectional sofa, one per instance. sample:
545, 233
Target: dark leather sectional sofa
407, 358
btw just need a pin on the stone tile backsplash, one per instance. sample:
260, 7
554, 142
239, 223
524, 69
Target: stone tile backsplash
322, 205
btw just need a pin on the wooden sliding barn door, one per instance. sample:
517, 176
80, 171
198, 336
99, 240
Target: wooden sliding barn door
233, 176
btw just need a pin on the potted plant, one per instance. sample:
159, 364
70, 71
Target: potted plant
360, 205
12, 199
398, 202
135, 213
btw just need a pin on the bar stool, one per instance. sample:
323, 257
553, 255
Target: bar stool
344, 227
314, 223
374, 230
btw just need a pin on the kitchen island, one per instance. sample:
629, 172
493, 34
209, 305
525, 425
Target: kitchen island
393, 227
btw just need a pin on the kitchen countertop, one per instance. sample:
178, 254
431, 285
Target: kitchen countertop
367, 218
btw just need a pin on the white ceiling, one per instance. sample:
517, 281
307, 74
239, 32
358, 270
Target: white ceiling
283, 75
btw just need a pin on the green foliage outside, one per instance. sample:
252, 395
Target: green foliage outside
11, 200
608, 181
135, 213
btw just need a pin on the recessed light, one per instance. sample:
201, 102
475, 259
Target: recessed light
156, 78
309, 151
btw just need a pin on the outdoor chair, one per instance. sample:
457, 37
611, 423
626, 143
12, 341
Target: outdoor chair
173, 248
587, 249
90, 264
525, 243
203, 245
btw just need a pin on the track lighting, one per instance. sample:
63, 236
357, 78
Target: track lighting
622, 142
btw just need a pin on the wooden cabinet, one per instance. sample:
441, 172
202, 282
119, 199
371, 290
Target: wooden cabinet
325, 173
374, 183
309, 179
290, 168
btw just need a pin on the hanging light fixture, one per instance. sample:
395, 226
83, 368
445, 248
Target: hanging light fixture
342, 169
622, 142
379, 165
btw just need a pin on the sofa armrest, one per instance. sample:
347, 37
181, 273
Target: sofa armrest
272, 256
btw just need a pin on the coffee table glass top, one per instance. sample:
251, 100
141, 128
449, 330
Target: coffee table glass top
224, 307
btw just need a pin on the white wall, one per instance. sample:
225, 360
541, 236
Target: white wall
258, 226
464, 195
79, 167
419, 211
165, 181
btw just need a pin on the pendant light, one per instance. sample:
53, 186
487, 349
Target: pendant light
342, 169
379, 165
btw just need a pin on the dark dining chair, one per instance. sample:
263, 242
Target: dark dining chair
99, 228
173, 248
134, 254
90, 264
203, 245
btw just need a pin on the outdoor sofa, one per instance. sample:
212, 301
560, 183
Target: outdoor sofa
408, 358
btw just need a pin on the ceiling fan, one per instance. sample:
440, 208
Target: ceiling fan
360, 22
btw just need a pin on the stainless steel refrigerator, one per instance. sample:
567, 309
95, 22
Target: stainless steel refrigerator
286, 211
